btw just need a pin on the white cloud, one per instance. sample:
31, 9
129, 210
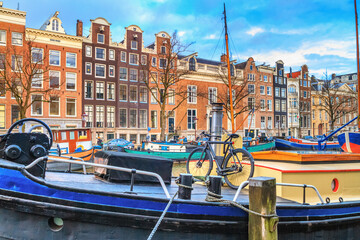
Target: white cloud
181, 33
255, 30
211, 36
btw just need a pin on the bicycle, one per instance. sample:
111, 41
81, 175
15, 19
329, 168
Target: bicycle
234, 168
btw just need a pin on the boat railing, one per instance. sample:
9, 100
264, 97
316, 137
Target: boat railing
74, 158
128, 170
304, 186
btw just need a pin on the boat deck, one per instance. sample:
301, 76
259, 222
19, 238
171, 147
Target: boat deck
94, 183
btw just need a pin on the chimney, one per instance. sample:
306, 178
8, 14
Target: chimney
333, 76
79, 28
223, 58
290, 75
1, 4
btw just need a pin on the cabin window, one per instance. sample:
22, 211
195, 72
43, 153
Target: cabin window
82, 134
72, 135
63, 135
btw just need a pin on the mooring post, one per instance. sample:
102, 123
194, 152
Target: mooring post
186, 180
262, 199
215, 183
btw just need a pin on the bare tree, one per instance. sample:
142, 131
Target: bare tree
24, 73
335, 99
164, 78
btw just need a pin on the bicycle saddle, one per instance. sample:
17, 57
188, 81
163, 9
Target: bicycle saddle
233, 135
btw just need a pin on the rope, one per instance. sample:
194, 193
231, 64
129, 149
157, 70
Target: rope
212, 197
165, 210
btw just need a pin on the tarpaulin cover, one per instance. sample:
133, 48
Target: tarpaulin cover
159, 165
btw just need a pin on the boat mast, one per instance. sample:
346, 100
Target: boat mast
357, 60
229, 75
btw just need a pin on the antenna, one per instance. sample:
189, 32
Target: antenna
18, 7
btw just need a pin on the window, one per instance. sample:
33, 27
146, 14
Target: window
99, 90
269, 105
37, 79
100, 70
133, 59
265, 78
320, 114
154, 77
2, 37
212, 95
71, 60
192, 92
37, 55
16, 38
262, 122
251, 103
133, 118
133, 94
251, 77
191, 118
171, 96
143, 95
123, 74
70, 81
2, 61
134, 45
277, 92
153, 61
142, 118
143, 76
2, 88
88, 50
232, 70
268, 91
162, 63
70, 107
283, 92
305, 83
123, 56
133, 75
111, 54
54, 58
143, 59
110, 117
123, 93
154, 95
36, 106
111, 71
262, 90
88, 69
100, 38
283, 105
15, 114
280, 72
153, 119
163, 49
99, 116
54, 106
269, 123
262, 105
89, 89
277, 105
55, 25
54, 78
123, 117
100, 53
305, 94
110, 91
251, 88
16, 63
2, 116
192, 64
251, 67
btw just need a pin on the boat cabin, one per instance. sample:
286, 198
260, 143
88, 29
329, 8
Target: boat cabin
72, 139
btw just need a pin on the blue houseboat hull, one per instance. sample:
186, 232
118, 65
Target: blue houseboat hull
281, 144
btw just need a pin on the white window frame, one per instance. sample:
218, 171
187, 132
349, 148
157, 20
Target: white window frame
137, 118
152, 99
12, 38
251, 92
189, 94
98, 64
137, 75
70, 53
171, 98
87, 47
136, 45
96, 90
3, 33
92, 89
59, 58
211, 96
88, 64
68, 73
111, 54
97, 38
112, 67
41, 79
123, 55
107, 91
147, 96
268, 90
126, 91
137, 57
51, 71
152, 61
127, 74
40, 50
104, 50
263, 88
126, 117
42, 106
54, 115
137, 95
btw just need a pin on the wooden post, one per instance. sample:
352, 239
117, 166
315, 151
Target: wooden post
262, 199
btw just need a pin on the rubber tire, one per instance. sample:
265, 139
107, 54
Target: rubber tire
191, 157
249, 173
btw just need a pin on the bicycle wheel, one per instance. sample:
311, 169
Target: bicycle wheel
199, 162
238, 173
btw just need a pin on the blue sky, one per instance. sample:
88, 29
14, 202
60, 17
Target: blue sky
319, 33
